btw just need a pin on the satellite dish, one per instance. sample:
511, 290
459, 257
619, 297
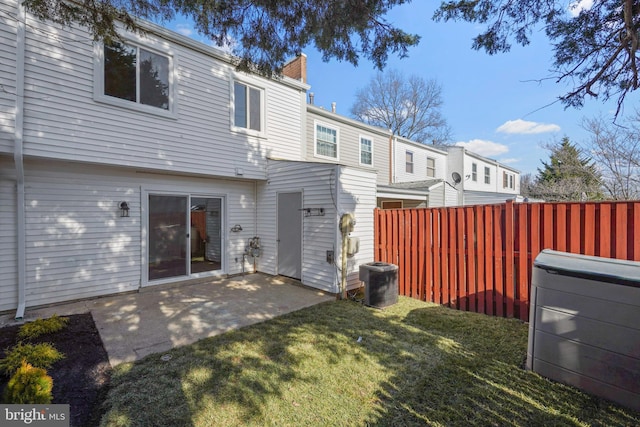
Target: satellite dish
456, 178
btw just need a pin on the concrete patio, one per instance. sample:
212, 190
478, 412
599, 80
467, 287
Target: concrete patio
159, 318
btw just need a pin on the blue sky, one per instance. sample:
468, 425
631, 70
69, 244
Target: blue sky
496, 105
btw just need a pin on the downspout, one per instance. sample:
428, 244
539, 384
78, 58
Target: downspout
338, 234
255, 219
19, 160
391, 152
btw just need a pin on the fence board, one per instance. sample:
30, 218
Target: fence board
471, 242
589, 232
421, 280
575, 237
490, 253
461, 291
522, 279
480, 238
509, 254
605, 231
618, 234
634, 230
437, 243
498, 247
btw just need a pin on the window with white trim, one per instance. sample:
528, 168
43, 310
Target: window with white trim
248, 107
487, 175
326, 141
136, 74
409, 161
431, 167
507, 180
366, 151
474, 172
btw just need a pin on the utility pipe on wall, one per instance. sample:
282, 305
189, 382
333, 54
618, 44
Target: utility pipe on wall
19, 160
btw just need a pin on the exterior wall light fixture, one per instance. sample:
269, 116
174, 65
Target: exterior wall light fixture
124, 209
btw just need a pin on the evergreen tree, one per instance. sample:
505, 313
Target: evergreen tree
264, 34
568, 176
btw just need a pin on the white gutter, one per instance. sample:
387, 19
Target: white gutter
18, 159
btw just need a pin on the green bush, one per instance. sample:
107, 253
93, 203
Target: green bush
34, 329
29, 385
39, 355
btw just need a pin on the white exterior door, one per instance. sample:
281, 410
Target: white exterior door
290, 235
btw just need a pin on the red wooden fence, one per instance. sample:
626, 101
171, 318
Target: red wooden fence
479, 258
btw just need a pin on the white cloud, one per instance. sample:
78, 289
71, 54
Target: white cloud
575, 7
520, 126
484, 148
185, 30
509, 160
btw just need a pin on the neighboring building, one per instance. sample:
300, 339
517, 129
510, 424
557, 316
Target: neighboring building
481, 180
154, 162
409, 174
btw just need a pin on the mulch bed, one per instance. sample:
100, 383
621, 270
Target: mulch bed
82, 377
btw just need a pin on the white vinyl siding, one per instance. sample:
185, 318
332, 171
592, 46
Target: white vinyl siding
351, 133
337, 189
8, 237
199, 141
8, 34
77, 244
317, 182
327, 143
358, 196
425, 159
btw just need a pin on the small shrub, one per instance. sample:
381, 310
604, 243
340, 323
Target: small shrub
34, 329
29, 385
39, 355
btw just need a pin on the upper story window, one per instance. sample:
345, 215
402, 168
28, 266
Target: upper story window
248, 107
326, 141
474, 172
431, 167
487, 175
507, 180
366, 151
137, 75
409, 162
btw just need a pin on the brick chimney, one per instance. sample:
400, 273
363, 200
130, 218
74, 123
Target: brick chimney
296, 68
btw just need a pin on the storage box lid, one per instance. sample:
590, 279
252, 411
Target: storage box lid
609, 270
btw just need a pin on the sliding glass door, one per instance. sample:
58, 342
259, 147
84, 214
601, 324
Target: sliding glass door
185, 235
206, 233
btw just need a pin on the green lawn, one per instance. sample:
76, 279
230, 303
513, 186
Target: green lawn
343, 364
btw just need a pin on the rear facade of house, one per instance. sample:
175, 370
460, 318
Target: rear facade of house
154, 161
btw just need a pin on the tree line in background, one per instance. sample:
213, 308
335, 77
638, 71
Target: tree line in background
605, 167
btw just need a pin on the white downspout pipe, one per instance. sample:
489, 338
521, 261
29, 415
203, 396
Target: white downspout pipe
19, 160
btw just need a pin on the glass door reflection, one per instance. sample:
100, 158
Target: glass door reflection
167, 236
206, 234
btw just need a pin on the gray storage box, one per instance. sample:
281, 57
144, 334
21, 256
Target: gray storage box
380, 284
584, 324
